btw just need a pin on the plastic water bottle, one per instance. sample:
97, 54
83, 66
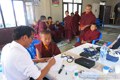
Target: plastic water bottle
103, 51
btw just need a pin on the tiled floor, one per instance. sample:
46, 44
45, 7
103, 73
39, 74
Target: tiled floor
109, 34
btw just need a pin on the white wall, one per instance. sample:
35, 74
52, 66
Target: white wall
43, 8
85, 2
56, 11
46, 8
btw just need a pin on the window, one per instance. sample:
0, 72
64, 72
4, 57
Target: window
19, 12
15, 13
77, 1
67, 0
80, 9
1, 23
29, 10
8, 13
75, 8
72, 6
65, 8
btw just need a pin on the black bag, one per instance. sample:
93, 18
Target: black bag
85, 62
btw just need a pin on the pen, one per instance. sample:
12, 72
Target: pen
61, 69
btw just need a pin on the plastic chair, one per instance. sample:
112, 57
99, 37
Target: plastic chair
99, 23
62, 23
96, 40
108, 43
31, 49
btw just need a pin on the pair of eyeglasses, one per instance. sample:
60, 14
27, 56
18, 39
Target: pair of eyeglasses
69, 58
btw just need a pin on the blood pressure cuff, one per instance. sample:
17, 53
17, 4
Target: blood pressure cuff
111, 58
88, 53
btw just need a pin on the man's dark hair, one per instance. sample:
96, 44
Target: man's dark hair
42, 17
49, 17
21, 31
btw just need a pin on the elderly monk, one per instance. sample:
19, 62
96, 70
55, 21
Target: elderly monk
87, 18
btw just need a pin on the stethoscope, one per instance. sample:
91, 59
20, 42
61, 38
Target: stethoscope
69, 58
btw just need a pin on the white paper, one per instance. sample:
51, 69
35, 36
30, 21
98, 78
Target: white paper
58, 64
69, 68
55, 67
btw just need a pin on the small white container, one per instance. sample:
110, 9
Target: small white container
106, 69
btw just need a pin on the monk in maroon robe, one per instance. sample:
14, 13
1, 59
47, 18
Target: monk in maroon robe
75, 23
68, 27
46, 48
40, 26
89, 35
60, 29
51, 26
87, 18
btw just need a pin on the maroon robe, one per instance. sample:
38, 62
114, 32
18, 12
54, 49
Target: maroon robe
40, 26
87, 19
68, 27
56, 35
60, 30
52, 50
75, 23
88, 36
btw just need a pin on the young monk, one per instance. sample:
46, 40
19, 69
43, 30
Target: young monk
51, 27
68, 27
50, 24
41, 25
46, 49
59, 29
75, 24
89, 35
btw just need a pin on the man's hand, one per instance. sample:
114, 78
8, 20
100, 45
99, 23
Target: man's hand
46, 69
83, 42
52, 61
110, 46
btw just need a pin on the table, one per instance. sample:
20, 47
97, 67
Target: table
97, 69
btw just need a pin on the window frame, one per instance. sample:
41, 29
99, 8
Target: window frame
25, 14
2, 17
72, 7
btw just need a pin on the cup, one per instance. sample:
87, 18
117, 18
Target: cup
106, 69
